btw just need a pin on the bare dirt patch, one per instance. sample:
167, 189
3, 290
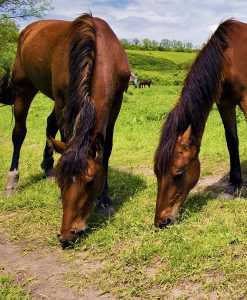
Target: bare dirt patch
43, 274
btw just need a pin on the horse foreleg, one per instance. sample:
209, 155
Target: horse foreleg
104, 202
48, 160
21, 107
228, 116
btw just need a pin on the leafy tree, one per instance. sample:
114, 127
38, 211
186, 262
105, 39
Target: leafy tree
24, 9
124, 42
146, 43
136, 42
188, 45
8, 40
10, 12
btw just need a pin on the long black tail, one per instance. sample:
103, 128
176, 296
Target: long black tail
7, 90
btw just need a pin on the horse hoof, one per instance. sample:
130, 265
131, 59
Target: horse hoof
225, 196
49, 174
105, 211
8, 192
104, 206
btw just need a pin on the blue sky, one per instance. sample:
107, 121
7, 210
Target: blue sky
186, 20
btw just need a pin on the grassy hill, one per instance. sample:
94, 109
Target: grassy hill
164, 68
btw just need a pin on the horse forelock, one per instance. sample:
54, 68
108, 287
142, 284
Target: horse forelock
79, 111
202, 87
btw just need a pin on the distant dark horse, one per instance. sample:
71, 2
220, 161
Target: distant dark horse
132, 81
218, 74
145, 82
71, 63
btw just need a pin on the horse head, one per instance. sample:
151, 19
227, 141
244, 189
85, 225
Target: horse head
181, 175
78, 194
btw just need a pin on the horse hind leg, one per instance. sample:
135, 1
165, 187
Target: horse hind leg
24, 96
228, 116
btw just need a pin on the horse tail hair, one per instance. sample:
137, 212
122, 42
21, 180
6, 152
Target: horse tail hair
7, 90
79, 111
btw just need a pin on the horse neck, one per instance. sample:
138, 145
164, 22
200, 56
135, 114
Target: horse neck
193, 111
109, 66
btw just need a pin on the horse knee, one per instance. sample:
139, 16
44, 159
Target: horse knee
19, 134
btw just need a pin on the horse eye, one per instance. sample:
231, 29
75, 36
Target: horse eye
90, 183
178, 175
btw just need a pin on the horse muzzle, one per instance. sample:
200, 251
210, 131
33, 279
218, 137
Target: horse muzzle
70, 238
164, 223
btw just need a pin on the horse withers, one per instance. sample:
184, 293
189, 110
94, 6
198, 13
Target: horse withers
71, 63
217, 75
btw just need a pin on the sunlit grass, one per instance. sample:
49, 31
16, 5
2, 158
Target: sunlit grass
205, 249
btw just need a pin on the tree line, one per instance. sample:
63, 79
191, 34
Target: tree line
163, 45
11, 11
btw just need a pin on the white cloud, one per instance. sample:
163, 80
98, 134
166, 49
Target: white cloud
189, 20
212, 28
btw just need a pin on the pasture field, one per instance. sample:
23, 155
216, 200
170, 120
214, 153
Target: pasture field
201, 256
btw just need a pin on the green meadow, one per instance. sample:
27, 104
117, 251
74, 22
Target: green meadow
201, 256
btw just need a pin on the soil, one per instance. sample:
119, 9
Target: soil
43, 273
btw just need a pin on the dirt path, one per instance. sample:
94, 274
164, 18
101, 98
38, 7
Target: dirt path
43, 273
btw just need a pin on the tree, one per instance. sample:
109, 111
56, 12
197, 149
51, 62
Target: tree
136, 42
24, 9
8, 40
146, 43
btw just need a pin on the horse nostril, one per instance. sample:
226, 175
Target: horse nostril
71, 240
65, 244
165, 223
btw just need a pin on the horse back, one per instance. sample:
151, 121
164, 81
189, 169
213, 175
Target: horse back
42, 50
235, 66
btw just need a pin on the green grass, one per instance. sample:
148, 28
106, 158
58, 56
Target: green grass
163, 68
205, 249
10, 290
176, 57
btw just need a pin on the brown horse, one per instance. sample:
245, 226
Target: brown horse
84, 69
218, 74
145, 82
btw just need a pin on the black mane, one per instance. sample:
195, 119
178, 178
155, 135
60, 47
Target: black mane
202, 87
79, 112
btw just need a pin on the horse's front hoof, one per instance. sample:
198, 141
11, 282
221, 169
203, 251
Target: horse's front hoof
231, 191
105, 211
104, 206
11, 185
225, 196
49, 174
9, 192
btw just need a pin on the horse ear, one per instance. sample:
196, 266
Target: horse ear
58, 146
185, 137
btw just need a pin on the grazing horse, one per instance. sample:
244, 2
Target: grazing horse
145, 82
219, 75
71, 63
132, 81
